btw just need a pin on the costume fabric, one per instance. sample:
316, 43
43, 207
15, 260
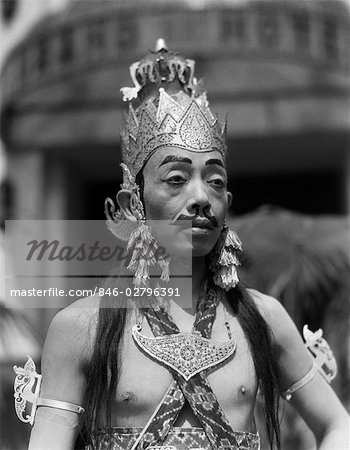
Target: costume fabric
178, 438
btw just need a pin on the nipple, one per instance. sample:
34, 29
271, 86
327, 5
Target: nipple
127, 396
243, 390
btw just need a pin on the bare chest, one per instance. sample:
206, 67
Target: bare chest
143, 381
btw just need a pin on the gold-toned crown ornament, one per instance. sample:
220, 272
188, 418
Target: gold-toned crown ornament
170, 109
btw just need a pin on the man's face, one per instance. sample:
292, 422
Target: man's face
180, 185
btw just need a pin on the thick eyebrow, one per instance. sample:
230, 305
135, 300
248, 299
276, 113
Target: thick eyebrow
214, 161
174, 158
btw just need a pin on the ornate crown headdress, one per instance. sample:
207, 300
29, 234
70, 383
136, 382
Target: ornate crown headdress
170, 109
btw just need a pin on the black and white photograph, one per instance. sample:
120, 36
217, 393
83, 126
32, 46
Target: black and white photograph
174, 224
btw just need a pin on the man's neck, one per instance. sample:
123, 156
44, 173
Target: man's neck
198, 274
194, 272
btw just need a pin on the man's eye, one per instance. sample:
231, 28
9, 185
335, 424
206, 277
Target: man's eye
176, 179
217, 182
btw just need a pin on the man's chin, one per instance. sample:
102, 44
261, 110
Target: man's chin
189, 245
190, 251
200, 252
202, 246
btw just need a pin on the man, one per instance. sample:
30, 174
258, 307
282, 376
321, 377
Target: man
167, 374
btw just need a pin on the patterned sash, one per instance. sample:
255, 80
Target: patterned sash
196, 391
178, 438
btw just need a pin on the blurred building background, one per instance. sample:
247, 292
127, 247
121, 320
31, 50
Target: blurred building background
280, 69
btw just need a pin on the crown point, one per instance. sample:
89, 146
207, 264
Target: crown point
160, 45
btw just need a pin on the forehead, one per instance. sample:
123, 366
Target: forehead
198, 159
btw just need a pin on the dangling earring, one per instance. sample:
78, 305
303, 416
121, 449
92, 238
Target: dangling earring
144, 250
224, 261
142, 245
163, 264
141, 242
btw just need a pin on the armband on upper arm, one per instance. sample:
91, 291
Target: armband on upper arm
27, 391
324, 361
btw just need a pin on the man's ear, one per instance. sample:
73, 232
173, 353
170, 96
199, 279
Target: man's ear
229, 200
124, 199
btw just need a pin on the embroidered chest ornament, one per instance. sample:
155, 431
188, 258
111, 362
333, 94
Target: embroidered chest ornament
186, 353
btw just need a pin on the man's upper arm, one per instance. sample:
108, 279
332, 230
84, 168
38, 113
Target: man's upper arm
66, 351
294, 360
63, 357
316, 401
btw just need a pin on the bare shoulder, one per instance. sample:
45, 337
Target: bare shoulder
72, 331
278, 319
269, 307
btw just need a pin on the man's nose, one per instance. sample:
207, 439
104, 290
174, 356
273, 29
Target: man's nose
199, 200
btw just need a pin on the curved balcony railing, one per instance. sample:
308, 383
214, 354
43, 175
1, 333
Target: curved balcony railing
73, 44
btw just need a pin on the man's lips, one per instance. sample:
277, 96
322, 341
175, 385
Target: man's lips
202, 223
197, 222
